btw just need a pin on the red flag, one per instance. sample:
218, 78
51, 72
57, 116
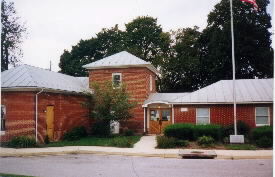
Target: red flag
253, 2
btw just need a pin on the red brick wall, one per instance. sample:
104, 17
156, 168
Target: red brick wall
20, 117
137, 83
221, 114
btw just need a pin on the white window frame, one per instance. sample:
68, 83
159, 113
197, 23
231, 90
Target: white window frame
151, 83
197, 116
268, 116
120, 75
2, 132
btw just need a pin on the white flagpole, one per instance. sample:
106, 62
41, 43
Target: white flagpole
233, 66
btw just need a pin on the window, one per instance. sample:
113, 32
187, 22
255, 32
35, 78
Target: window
151, 83
262, 116
3, 117
203, 116
116, 79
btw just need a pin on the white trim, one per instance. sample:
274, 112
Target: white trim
208, 115
155, 102
268, 116
2, 132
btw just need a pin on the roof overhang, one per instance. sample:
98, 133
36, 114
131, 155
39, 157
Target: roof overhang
149, 66
155, 102
34, 89
254, 102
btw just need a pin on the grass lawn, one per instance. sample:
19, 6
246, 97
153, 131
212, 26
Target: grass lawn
116, 141
240, 147
12, 175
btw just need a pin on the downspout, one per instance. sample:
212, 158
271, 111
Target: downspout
36, 113
144, 121
173, 117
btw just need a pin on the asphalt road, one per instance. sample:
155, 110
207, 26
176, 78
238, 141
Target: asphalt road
128, 166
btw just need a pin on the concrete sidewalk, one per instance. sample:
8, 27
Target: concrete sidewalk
145, 147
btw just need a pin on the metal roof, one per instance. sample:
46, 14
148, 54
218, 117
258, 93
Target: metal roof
247, 91
120, 60
26, 76
163, 97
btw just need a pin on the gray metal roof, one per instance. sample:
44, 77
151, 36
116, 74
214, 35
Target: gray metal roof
26, 76
247, 91
120, 60
163, 97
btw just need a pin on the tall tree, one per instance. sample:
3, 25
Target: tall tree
12, 32
181, 72
146, 40
106, 42
253, 52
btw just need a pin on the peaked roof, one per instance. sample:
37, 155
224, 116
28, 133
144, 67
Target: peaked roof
247, 91
26, 76
163, 97
120, 60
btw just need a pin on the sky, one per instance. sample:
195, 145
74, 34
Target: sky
56, 25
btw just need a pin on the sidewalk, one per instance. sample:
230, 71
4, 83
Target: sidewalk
145, 147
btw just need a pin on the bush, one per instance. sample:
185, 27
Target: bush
242, 129
206, 141
182, 143
263, 136
180, 131
165, 142
264, 131
128, 132
264, 142
22, 142
215, 131
101, 128
121, 142
75, 134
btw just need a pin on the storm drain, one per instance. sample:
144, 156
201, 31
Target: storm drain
197, 154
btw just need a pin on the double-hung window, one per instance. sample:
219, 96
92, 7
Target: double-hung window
262, 116
203, 115
116, 79
3, 117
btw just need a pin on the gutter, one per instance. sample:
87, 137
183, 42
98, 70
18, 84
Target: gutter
36, 114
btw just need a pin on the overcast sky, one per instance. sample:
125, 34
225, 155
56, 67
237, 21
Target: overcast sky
55, 25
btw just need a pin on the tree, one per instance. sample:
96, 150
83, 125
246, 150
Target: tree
181, 72
146, 40
12, 32
106, 42
110, 104
253, 52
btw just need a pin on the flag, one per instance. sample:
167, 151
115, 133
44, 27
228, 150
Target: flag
253, 2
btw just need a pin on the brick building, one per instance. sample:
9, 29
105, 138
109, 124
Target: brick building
60, 99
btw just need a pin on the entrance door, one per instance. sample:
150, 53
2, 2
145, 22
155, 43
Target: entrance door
50, 122
159, 119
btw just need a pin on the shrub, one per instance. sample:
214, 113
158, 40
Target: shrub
206, 141
75, 134
215, 131
101, 128
22, 142
242, 129
182, 143
121, 142
180, 131
264, 131
165, 142
128, 132
264, 142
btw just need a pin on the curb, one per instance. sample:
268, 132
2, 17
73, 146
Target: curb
171, 155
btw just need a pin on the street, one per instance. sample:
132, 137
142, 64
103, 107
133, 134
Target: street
87, 165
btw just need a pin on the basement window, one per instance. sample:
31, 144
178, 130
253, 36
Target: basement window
3, 117
203, 115
116, 79
262, 116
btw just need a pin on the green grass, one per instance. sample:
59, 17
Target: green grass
116, 141
240, 147
12, 175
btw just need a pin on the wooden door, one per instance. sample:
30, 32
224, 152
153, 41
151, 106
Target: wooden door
159, 119
50, 122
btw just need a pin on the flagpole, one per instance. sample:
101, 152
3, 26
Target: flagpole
233, 66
